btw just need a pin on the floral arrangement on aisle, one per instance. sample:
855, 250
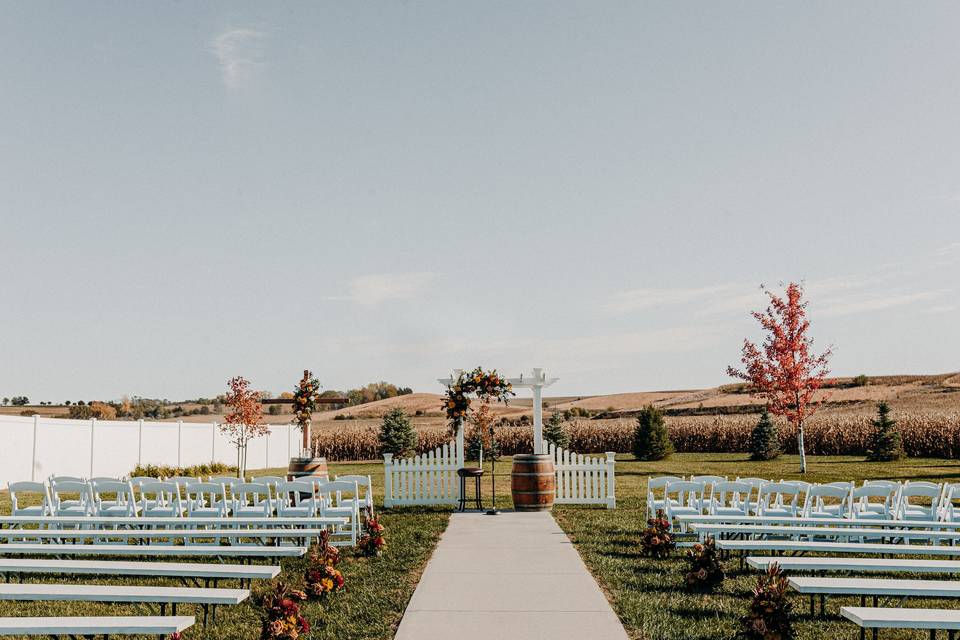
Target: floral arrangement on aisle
485, 385
281, 618
769, 615
322, 577
656, 540
705, 569
372, 543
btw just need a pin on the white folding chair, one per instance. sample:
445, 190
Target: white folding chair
655, 504
269, 481
803, 486
251, 499
366, 489
331, 494
160, 499
54, 479
206, 500
816, 504
688, 500
708, 483
136, 481
228, 482
123, 503
730, 498
756, 483
778, 499
918, 509
291, 500
82, 505
874, 501
19, 507
951, 492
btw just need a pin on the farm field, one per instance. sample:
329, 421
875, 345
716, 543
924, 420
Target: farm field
648, 594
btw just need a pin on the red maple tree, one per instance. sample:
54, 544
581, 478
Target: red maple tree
783, 370
244, 420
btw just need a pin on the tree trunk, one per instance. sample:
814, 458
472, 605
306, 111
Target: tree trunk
803, 453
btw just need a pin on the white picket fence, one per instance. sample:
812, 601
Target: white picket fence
429, 478
583, 479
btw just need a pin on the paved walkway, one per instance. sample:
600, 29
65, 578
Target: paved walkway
515, 576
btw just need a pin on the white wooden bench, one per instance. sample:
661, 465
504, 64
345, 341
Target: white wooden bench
166, 521
206, 550
261, 534
753, 530
818, 522
94, 625
162, 596
876, 587
805, 546
856, 565
183, 571
877, 618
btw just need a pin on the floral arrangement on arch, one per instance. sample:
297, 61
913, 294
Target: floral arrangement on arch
485, 385
281, 618
305, 398
322, 577
656, 540
705, 569
372, 542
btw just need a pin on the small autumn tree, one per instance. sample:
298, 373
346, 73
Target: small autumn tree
244, 420
783, 370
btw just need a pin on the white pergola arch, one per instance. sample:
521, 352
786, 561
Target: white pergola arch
535, 382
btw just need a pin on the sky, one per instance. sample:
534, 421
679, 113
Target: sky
390, 191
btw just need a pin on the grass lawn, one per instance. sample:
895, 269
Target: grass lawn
376, 593
648, 594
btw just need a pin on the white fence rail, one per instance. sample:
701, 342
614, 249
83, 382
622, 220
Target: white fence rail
430, 478
583, 479
35, 448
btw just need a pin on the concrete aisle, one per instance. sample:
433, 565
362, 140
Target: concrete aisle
515, 576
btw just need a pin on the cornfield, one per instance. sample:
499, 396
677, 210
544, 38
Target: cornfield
934, 434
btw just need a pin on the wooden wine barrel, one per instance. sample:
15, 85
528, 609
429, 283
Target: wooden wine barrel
302, 467
533, 482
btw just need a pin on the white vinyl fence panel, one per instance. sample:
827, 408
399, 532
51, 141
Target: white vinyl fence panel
36, 447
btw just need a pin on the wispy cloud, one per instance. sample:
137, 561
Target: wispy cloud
373, 289
903, 283
865, 303
649, 298
240, 54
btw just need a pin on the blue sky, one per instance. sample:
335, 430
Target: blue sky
392, 190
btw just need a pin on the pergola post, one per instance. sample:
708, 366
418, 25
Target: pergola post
537, 413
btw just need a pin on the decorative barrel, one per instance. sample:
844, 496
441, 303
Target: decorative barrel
302, 467
533, 482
